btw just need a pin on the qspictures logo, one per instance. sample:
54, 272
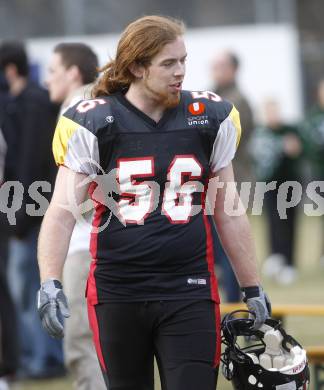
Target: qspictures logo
131, 198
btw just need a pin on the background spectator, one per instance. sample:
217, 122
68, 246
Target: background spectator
8, 329
72, 69
28, 124
224, 68
276, 149
312, 133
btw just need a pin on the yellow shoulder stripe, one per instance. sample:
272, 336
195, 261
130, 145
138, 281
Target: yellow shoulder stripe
235, 117
65, 129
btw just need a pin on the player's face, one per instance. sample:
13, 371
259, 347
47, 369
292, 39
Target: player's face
163, 79
57, 80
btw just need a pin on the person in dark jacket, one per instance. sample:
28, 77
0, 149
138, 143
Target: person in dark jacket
225, 67
276, 150
8, 329
28, 125
312, 133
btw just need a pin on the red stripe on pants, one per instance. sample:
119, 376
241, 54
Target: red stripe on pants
95, 334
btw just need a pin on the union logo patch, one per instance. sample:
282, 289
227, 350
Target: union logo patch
196, 108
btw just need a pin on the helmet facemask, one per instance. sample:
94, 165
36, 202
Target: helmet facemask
267, 358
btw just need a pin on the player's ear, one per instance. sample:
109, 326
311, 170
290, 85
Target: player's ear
137, 70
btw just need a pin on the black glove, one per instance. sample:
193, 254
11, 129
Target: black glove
257, 302
52, 307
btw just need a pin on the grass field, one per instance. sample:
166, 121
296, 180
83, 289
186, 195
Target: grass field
308, 289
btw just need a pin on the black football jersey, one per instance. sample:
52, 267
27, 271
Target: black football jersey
151, 237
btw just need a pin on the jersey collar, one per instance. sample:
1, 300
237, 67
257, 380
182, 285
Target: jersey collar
151, 122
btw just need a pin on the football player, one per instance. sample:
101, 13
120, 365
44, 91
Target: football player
145, 150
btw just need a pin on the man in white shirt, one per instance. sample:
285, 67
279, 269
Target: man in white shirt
72, 69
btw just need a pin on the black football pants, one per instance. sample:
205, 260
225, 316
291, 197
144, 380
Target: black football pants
182, 335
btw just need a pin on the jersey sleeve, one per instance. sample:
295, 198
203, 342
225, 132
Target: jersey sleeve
226, 141
76, 147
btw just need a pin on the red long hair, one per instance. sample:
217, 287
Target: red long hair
139, 43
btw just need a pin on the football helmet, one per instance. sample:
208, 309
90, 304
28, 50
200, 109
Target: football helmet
269, 358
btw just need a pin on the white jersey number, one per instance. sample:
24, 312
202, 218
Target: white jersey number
206, 95
177, 200
87, 105
138, 199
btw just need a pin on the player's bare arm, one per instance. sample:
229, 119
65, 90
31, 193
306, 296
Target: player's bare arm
58, 225
53, 245
235, 232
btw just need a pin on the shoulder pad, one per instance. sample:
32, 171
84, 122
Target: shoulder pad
92, 114
207, 103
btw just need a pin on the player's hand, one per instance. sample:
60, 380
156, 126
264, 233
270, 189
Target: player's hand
257, 302
52, 307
